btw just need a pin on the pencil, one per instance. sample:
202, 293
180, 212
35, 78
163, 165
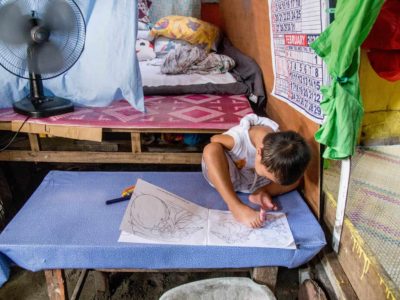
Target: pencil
120, 199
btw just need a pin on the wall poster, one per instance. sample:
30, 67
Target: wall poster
298, 71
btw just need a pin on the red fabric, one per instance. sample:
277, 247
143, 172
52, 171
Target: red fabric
386, 31
383, 42
386, 63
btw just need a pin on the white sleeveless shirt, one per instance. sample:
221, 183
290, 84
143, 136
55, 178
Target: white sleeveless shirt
243, 154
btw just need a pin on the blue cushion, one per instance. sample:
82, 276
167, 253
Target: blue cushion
107, 69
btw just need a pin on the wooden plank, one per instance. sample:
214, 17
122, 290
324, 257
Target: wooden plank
165, 130
100, 157
341, 202
176, 270
34, 142
266, 275
73, 132
5, 126
102, 285
368, 279
56, 284
247, 26
79, 285
338, 279
135, 142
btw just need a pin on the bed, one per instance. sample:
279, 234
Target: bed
174, 104
196, 114
244, 79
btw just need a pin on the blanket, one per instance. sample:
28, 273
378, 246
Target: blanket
191, 59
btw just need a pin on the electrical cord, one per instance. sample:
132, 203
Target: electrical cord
15, 135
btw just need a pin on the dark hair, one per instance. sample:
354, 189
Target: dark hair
285, 154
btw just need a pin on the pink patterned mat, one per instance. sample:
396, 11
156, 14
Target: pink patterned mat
176, 112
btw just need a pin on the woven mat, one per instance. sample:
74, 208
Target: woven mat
167, 112
374, 202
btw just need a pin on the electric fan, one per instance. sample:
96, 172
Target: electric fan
40, 39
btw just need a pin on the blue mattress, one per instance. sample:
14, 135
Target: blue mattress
66, 224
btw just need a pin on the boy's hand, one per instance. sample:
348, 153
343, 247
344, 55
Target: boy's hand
247, 215
264, 200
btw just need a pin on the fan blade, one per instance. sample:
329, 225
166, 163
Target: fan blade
59, 16
12, 24
48, 58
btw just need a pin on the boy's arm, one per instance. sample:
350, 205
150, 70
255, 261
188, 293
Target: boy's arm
218, 173
223, 139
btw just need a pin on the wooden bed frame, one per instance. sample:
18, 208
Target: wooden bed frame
57, 289
35, 153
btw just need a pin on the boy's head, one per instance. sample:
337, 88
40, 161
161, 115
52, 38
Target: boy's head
285, 155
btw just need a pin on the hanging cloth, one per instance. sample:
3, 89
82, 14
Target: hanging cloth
339, 46
383, 42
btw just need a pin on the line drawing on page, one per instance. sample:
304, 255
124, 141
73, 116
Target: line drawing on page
164, 221
229, 231
157, 216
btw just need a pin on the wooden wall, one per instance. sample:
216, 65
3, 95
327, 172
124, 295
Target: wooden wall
246, 23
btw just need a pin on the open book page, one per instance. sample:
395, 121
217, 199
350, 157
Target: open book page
224, 230
158, 216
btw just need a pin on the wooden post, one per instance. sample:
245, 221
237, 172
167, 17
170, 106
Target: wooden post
79, 284
34, 142
56, 284
338, 279
101, 284
135, 140
266, 275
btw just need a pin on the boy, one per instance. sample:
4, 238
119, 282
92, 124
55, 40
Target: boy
254, 157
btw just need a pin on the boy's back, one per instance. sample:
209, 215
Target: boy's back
238, 160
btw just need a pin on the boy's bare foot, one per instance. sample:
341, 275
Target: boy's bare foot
264, 200
247, 216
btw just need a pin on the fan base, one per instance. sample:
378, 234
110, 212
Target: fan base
46, 107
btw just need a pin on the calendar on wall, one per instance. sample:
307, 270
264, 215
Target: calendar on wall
298, 71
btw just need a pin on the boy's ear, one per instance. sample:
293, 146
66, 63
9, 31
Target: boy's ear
259, 150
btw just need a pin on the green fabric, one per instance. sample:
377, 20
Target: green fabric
339, 46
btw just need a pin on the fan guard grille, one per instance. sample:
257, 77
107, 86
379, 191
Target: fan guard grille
14, 57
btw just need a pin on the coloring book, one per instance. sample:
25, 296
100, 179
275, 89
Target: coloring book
157, 216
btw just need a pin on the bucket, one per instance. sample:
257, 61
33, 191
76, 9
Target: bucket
220, 289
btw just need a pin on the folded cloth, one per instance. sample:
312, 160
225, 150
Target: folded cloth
191, 59
163, 45
144, 35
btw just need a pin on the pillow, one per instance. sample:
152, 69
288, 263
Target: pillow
144, 50
163, 45
189, 29
143, 10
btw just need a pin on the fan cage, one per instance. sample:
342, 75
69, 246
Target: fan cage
13, 58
